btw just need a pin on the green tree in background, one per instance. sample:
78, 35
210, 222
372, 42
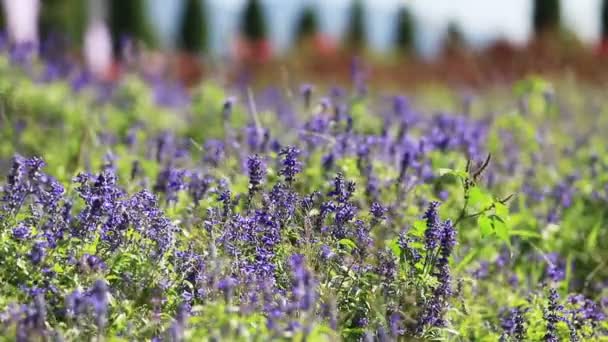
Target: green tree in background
546, 16
128, 18
193, 30
454, 39
356, 32
65, 17
405, 31
253, 25
604, 20
307, 25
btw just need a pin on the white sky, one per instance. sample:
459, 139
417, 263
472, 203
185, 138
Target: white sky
481, 20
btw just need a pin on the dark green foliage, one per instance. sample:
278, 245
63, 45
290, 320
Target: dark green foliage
356, 31
308, 24
454, 38
128, 19
193, 30
253, 24
604, 20
66, 17
545, 16
405, 32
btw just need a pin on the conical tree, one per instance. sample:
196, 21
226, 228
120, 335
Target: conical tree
128, 19
356, 32
307, 25
604, 20
546, 16
405, 32
193, 30
453, 40
253, 23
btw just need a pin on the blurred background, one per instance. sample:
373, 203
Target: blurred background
403, 42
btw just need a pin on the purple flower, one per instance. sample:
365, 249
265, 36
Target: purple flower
378, 211
198, 186
38, 252
552, 316
170, 181
432, 234
257, 172
556, 267
98, 297
513, 323
448, 239
343, 190
282, 202
326, 252
304, 286
21, 232
214, 152
291, 165
306, 92
227, 285
410, 253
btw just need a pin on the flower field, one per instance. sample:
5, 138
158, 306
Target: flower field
137, 210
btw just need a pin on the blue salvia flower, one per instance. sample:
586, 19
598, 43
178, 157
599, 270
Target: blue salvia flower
147, 219
98, 297
198, 186
513, 324
75, 304
176, 330
304, 286
170, 181
328, 161
448, 239
345, 213
291, 165
432, 234
411, 253
214, 152
21, 232
403, 166
556, 267
552, 315
282, 202
386, 267
583, 312
31, 320
435, 308
378, 211
15, 190
227, 286
343, 190
306, 92
257, 172
38, 252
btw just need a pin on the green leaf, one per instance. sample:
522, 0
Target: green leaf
501, 210
418, 228
393, 244
500, 228
485, 225
478, 198
451, 172
348, 243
